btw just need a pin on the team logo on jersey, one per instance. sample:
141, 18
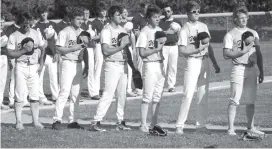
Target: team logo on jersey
192, 39
71, 43
150, 43
114, 41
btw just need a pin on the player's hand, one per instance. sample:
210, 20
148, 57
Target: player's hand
56, 57
217, 68
203, 47
261, 77
78, 46
246, 47
39, 70
124, 41
85, 72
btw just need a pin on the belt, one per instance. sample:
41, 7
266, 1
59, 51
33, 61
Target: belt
25, 63
199, 57
74, 61
245, 65
119, 62
157, 61
170, 44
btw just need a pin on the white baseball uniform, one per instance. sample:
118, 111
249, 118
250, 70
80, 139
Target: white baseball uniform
3, 67
115, 75
153, 68
197, 74
243, 79
26, 75
71, 74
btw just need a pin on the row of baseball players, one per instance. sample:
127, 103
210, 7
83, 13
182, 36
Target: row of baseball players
243, 76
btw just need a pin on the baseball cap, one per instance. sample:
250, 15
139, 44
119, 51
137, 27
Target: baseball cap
202, 35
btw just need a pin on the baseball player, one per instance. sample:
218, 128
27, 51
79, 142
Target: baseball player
170, 49
71, 69
27, 47
47, 29
87, 26
10, 29
197, 71
115, 70
65, 21
128, 27
97, 26
244, 57
150, 51
3, 63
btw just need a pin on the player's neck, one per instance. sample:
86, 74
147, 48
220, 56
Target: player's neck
241, 27
44, 21
75, 27
151, 26
193, 21
23, 31
114, 25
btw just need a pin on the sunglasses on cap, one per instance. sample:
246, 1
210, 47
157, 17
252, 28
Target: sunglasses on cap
195, 11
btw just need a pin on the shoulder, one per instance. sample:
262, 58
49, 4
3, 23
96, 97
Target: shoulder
201, 24
177, 21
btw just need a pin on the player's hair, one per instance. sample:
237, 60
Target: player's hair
191, 5
123, 8
101, 7
23, 18
165, 5
245, 35
73, 12
26, 40
113, 10
241, 9
151, 10
85, 33
143, 5
42, 9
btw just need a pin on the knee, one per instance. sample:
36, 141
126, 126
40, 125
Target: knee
233, 103
146, 101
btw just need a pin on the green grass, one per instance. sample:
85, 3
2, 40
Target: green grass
32, 138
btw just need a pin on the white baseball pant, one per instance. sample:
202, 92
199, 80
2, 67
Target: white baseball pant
98, 63
91, 74
243, 79
3, 78
197, 74
26, 77
70, 84
53, 76
153, 81
139, 61
12, 84
170, 54
115, 83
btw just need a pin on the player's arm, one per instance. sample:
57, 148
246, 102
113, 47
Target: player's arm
213, 59
60, 44
11, 52
259, 59
86, 63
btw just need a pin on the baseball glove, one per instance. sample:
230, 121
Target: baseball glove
137, 79
160, 37
28, 43
119, 38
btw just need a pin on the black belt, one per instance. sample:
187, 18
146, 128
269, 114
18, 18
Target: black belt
245, 65
157, 61
170, 44
199, 57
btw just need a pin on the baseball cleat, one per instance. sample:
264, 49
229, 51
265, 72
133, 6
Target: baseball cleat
144, 128
96, 97
122, 126
97, 127
231, 132
19, 126
56, 125
171, 90
255, 131
39, 126
74, 125
179, 131
158, 131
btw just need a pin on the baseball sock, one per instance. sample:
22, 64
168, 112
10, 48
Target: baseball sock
18, 114
250, 110
231, 115
144, 111
155, 111
34, 106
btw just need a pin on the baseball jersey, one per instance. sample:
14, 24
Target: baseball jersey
14, 43
233, 39
87, 26
68, 38
42, 27
146, 40
189, 33
11, 29
109, 35
139, 22
61, 25
165, 25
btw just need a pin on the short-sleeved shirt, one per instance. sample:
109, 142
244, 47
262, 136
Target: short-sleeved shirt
11, 29
109, 35
68, 38
61, 25
41, 26
14, 43
189, 33
165, 25
146, 40
233, 40
139, 22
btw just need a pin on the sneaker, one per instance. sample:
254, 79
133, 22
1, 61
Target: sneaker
19, 126
74, 125
56, 125
4, 107
96, 97
97, 127
179, 130
122, 126
39, 126
144, 128
45, 101
131, 94
171, 90
203, 130
231, 132
158, 131
255, 131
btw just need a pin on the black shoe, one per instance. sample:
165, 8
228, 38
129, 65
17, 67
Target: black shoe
74, 125
56, 125
171, 90
96, 97
157, 131
122, 126
97, 127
